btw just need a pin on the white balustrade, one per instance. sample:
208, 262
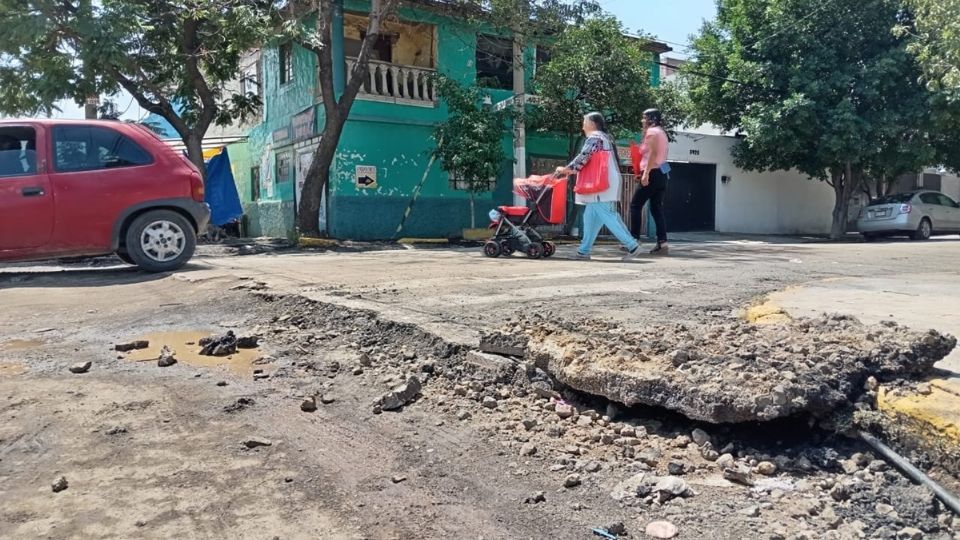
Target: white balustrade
396, 83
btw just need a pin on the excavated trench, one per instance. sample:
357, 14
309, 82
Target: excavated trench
784, 393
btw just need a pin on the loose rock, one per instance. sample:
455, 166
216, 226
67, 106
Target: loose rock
661, 529
766, 468
528, 449
739, 474
256, 442
564, 411
167, 357
397, 479
59, 484
81, 367
536, 498
909, 533
309, 405
700, 437
489, 402
401, 395
132, 346
572, 480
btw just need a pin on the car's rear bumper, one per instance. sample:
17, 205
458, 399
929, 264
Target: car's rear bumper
901, 223
200, 211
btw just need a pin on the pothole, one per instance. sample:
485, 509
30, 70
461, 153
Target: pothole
186, 348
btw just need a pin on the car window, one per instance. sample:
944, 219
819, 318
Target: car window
896, 198
18, 151
946, 201
929, 198
88, 148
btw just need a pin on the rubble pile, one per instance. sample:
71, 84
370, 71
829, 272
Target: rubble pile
668, 473
731, 371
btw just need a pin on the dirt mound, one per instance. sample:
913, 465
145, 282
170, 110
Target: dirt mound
732, 371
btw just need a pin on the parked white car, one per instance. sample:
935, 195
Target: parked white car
919, 214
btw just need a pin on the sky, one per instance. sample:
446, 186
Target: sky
670, 21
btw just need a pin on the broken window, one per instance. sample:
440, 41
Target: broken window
286, 63
283, 167
494, 62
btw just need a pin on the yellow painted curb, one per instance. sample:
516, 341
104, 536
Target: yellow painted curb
933, 417
410, 241
308, 242
477, 235
766, 313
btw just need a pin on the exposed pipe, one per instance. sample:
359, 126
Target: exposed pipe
914, 473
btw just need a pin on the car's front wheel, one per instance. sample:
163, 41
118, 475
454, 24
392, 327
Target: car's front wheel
160, 241
924, 230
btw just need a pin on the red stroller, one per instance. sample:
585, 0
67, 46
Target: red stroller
546, 198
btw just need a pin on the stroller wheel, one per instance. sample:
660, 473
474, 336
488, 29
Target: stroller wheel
491, 249
535, 251
506, 248
549, 248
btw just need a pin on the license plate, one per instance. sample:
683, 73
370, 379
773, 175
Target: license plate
880, 213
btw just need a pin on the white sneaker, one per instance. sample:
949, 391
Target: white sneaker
631, 255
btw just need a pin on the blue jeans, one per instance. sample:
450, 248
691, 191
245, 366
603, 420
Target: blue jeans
596, 215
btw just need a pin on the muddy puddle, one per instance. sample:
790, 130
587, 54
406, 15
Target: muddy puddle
14, 345
11, 369
186, 345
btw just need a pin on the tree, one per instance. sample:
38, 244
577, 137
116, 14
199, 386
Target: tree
593, 67
470, 141
318, 38
839, 106
936, 26
177, 58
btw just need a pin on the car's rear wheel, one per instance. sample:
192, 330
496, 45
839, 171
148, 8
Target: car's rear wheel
924, 230
160, 241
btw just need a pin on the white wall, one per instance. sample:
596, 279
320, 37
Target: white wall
777, 202
950, 185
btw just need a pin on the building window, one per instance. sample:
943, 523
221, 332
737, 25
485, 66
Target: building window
494, 62
286, 63
255, 184
460, 184
543, 57
283, 167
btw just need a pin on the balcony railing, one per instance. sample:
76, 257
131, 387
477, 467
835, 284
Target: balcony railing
395, 83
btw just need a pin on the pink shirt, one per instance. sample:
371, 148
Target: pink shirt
654, 133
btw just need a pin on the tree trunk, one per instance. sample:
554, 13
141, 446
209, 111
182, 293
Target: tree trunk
194, 142
315, 182
844, 181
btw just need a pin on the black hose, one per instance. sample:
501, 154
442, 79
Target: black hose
916, 474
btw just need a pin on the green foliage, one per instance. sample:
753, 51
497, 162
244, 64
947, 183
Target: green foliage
936, 26
470, 140
823, 87
178, 58
594, 67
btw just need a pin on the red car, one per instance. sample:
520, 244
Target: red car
82, 188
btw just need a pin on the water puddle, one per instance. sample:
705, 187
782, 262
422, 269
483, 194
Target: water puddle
186, 345
8, 369
20, 345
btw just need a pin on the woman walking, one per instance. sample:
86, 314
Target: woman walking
654, 173
599, 210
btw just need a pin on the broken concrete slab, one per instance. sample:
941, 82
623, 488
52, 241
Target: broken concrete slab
489, 368
401, 395
503, 343
733, 371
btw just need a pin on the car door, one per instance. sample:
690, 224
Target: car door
26, 200
97, 173
951, 212
930, 206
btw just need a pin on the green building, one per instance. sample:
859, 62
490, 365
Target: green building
385, 148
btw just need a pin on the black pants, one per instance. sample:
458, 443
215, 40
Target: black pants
654, 192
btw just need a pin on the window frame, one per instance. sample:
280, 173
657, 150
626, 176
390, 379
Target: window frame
23, 154
286, 157
285, 63
507, 82
88, 158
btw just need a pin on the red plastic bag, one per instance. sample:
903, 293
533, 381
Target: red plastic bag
635, 157
594, 177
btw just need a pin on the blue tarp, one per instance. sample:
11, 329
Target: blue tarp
221, 191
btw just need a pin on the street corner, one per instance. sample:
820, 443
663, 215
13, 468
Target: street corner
924, 416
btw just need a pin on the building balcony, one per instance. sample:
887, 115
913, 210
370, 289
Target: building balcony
396, 83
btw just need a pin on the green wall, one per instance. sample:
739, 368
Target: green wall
396, 138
